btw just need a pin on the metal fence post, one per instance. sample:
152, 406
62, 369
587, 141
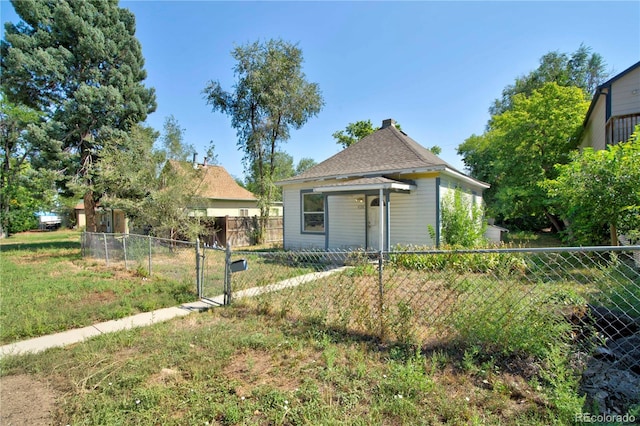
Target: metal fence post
106, 248
198, 266
149, 255
381, 294
124, 248
227, 275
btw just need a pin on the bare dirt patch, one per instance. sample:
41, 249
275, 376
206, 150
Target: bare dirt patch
25, 401
255, 368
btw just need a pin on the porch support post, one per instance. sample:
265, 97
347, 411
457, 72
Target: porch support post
381, 210
388, 221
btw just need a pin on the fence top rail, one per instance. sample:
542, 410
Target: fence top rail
120, 235
459, 251
521, 250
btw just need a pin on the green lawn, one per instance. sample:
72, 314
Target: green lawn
48, 287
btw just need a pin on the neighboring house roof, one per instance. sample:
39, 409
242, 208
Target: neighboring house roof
604, 88
216, 183
386, 151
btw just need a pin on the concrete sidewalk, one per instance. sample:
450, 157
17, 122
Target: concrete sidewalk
68, 337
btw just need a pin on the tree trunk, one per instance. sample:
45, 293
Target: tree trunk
613, 232
90, 212
557, 224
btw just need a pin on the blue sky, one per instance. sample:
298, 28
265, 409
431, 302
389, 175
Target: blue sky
434, 67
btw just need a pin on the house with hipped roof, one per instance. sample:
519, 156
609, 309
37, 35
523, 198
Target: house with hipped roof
217, 194
384, 190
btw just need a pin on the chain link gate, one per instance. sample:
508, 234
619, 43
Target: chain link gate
212, 282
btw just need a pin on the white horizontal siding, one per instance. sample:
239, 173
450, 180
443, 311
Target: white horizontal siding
411, 214
594, 135
347, 222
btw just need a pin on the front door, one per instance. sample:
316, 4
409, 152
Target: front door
373, 223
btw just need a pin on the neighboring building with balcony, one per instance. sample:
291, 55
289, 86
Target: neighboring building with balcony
614, 111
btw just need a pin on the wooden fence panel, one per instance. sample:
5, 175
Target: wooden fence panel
242, 231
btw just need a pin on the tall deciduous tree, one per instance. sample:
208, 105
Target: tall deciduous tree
80, 64
284, 169
173, 141
583, 69
270, 97
520, 149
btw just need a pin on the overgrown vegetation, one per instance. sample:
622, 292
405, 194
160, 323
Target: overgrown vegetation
598, 193
462, 220
236, 366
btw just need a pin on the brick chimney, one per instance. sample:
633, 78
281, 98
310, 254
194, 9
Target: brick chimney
388, 122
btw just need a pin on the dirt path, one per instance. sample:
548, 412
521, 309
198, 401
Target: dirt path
25, 401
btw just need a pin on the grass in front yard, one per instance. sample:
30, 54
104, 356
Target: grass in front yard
236, 366
48, 287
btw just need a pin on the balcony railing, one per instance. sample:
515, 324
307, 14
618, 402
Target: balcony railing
620, 127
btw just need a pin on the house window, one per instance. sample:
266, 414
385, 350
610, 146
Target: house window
312, 212
244, 212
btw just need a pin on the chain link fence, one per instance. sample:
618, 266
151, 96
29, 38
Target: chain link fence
171, 259
510, 302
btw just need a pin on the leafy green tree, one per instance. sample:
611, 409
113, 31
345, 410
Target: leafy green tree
462, 221
129, 170
165, 210
283, 169
600, 190
360, 129
305, 164
80, 65
435, 149
154, 193
354, 132
212, 156
521, 148
582, 69
270, 97
173, 141
17, 147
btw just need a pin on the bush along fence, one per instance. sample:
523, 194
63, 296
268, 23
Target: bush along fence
579, 307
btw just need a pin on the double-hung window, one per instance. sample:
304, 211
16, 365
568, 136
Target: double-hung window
312, 212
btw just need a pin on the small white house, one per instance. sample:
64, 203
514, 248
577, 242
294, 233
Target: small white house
384, 190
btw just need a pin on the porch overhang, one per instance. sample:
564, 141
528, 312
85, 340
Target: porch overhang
367, 184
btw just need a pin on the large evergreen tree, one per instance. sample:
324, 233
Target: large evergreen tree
80, 64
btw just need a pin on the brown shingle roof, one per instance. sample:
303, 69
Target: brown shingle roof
386, 150
215, 182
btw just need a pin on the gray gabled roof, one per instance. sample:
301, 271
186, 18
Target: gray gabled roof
387, 150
